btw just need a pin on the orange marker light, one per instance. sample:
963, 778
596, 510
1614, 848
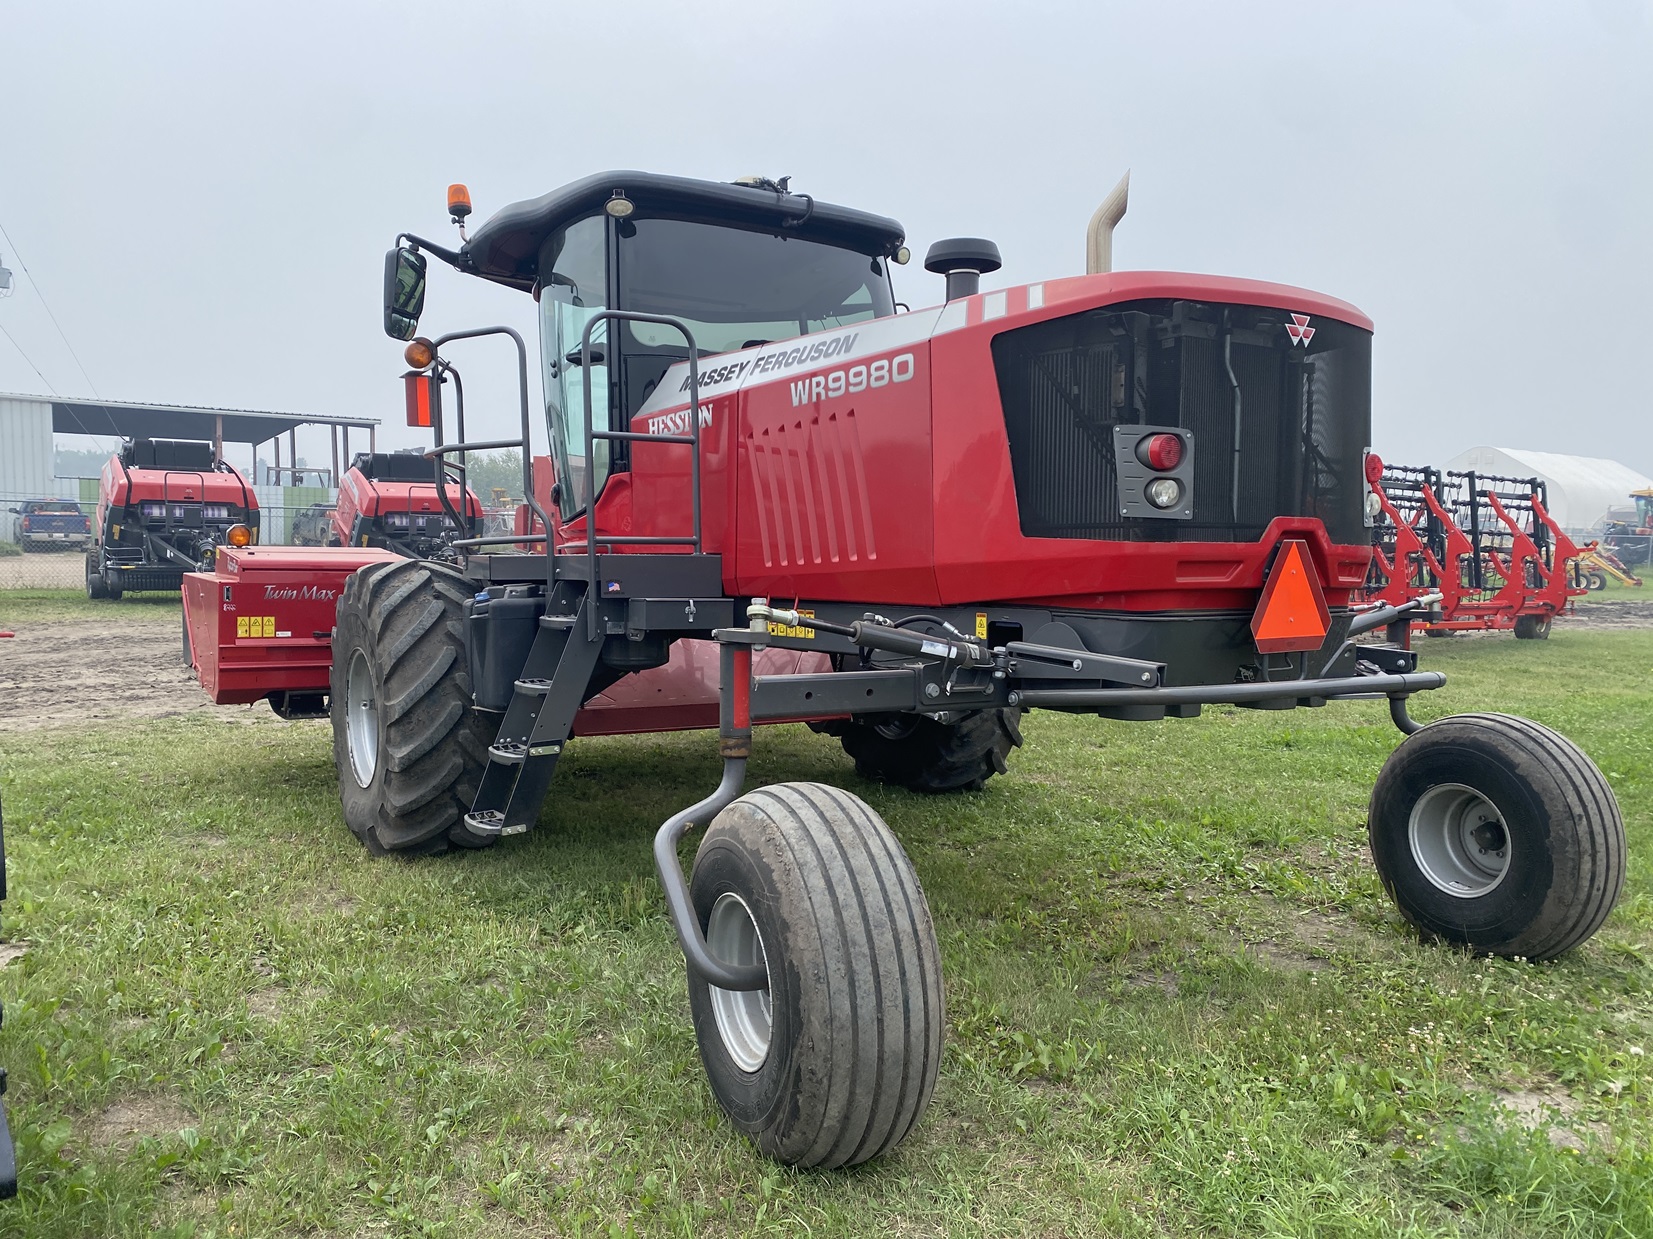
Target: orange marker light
419, 353
1292, 613
238, 535
459, 201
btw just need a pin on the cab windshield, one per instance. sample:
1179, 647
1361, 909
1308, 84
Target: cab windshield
732, 288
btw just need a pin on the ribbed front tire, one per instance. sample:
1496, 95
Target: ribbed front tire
1497, 834
836, 1061
408, 745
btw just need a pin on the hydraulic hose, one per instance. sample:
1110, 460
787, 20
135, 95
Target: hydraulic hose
1234, 382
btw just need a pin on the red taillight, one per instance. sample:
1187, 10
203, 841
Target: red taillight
27, 523
1160, 452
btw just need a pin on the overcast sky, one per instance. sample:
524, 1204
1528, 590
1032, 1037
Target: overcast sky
206, 191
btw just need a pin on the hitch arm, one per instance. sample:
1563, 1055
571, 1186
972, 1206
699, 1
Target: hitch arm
735, 743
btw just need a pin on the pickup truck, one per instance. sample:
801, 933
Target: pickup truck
41, 524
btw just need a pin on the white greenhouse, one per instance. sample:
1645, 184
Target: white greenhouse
1582, 489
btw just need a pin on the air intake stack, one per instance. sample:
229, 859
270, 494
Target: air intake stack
963, 260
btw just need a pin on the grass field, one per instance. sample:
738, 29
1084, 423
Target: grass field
1179, 1003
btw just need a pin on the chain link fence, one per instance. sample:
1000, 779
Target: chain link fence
50, 552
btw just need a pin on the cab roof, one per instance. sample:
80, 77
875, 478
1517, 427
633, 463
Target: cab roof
506, 247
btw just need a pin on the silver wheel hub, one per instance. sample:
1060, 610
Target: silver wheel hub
1459, 840
744, 1019
361, 720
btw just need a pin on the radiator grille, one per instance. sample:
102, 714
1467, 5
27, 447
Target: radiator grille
1304, 418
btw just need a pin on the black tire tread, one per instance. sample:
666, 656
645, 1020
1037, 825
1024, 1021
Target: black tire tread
875, 966
1583, 793
937, 757
434, 750
95, 586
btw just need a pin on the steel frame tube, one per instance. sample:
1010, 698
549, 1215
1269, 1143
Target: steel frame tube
1229, 694
679, 902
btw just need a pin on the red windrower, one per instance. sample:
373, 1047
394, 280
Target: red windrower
7, 634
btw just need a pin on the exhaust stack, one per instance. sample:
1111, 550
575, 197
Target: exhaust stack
1099, 236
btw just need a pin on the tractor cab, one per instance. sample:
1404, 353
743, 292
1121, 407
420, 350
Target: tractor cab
740, 265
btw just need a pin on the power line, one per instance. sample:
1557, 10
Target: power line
41, 293
26, 357
49, 386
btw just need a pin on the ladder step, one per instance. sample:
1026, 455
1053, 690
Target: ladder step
533, 688
487, 822
513, 753
556, 621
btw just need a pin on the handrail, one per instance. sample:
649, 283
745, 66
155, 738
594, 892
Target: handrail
499, 540
592, 435
460, 523
522, 394
486, 445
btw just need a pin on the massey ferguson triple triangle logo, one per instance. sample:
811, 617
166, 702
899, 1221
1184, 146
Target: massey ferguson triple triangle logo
1299, 330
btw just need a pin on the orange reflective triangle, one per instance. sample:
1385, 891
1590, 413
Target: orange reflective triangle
1291, 614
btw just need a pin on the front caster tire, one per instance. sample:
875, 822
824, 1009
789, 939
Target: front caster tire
836, 1061
1532, 627
1497, 834
922, 755
409, 748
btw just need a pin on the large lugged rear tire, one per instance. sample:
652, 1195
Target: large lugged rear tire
920, 754
836, 1061
408, 745
1497, 834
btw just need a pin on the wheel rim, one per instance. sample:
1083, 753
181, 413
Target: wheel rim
897, 728
744, 1019
1459, 840
361, 720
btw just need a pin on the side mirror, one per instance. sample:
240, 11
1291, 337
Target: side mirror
404, 291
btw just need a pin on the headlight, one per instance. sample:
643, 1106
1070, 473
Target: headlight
1164, 492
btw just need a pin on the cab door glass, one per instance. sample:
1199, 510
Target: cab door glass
573, 290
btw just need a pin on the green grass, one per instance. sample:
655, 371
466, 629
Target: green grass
25, 606
1179, 1003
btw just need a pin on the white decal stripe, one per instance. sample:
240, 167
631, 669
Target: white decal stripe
954, 315
994, 305
1035, 296
754, 366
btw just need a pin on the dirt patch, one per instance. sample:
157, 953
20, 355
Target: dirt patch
1285, 957
266, 1004
1166, 983
1608, 613
1551, 1110
327, 901
132, 1119
60, 673
11, 952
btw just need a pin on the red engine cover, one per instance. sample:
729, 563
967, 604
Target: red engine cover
869, 464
